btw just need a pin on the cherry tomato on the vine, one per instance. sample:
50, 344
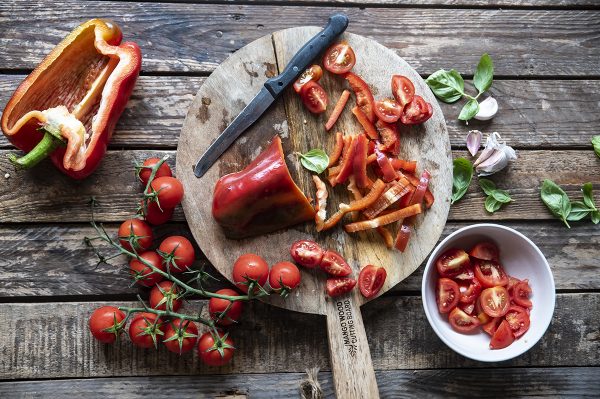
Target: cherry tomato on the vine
178, 253
169, 191
163, 170
218, 306
154, 215
284, 277
250, 269
105, 324
136, 232
143, 274
180, 335
215, 352
165, 295
146, 330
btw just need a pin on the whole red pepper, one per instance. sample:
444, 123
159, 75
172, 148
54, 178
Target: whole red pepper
67, 108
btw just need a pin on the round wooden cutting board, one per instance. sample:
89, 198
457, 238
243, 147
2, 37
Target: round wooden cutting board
223, 96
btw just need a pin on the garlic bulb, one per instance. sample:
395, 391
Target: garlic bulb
494, 157
488, 108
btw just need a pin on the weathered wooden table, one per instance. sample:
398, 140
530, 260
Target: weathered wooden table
546, 55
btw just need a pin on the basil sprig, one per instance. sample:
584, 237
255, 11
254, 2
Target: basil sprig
495, 196
449, 86
596, 144
562, 207
462, 173
315, 160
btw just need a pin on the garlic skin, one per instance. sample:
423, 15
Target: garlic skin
488, 108
474, 141
494, 157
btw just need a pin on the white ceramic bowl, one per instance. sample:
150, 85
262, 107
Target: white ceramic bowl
520, 258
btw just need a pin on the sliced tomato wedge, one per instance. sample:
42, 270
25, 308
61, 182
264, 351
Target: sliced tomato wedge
364, 97
370, 280
465, 274
334, 264
503, 336
416, 112
402, 89
495, 301
520, 294
468, 308
388, 110
512, 281
314, 72
388, 134
339, 58
447, 295
339, 286
518, 320
491, 325
461, 321
451, 262
469, 290
314, 97
490, 273
485, 251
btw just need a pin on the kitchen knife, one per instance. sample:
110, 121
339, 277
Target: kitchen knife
271, 90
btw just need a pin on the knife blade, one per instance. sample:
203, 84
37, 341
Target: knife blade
271, 90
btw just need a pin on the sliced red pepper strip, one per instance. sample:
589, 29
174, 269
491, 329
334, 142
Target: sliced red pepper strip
360, 161
356, 194
358, 205
395, 191
321, 202
77, 117
337, 150
364, 97
407, 166
388, 134
405, 230
346, 162
337, 110
389, 173
366, 123
429, 199
387, 236
405, 200
384, 219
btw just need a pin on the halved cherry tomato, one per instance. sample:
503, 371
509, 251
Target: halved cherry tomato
495, 301
490, 273
461, 321
402, 89
503, 336
334, 264
451, 262
307, 253
447, 295
314, 72
468, 308
512, 281
339, 286
339, 58
521, 293
481, 315
485, 251
364, 97
491, 325
370, 280
416, 112
469, 291
465, 274
314, 97
388, 110
518, 320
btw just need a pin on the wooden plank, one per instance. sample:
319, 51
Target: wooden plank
184, 38
442, 383
533, 113
50, 340
32, 196
50, 260
446, 3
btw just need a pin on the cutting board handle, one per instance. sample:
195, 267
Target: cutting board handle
353, 374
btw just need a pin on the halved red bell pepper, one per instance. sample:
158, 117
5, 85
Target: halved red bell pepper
364, 97
261, 198
360, 161
67, 108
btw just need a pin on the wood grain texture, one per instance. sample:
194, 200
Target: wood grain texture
533, 113
47, 260
51, 340
581, 382
44, 195
409, 3
187, 38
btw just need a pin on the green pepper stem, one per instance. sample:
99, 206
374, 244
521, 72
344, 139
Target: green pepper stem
45, 147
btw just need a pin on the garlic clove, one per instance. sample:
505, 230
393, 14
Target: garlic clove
485, 154
488, 108
474, 141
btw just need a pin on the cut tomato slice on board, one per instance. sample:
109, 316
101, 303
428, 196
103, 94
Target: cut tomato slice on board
314, 97
339, 58
339, 286
388, 110
371, 279
364, 97
402, 89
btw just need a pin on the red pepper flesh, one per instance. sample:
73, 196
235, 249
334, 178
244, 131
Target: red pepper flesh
75, 95
360, 161
261, 198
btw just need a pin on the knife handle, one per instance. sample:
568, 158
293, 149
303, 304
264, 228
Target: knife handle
304, 57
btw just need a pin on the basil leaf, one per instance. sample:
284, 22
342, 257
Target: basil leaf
315, 160
579, 210
448, 86
501, 196
487, 186
596, 144
469, 110
462, 173
588, 196
484, 74
491, 205
595, 217
556, 200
